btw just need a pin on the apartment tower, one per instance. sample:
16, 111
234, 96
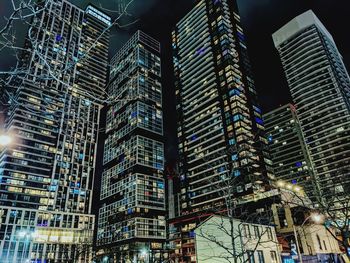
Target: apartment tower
131, 222
220, 124
320, 87
47, 172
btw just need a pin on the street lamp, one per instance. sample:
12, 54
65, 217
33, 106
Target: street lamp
5, 140
281, 184
315, 217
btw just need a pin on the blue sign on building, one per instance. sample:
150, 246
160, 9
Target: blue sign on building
287, 259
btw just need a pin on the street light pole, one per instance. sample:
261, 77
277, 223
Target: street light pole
317, 218
297, 244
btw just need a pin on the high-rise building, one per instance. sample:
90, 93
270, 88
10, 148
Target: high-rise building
320, 87
131, 222
47, 172
220, 124
288, 150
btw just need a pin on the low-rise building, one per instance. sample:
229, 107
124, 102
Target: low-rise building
224, 239
318, 242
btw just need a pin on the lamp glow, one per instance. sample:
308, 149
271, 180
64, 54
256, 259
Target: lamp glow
297, 189
317, 218
144, 253
5, 140
280, 183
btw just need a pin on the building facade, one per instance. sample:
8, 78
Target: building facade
320, 87
236, 241
220, 126
288, 150
47, 172
131, 222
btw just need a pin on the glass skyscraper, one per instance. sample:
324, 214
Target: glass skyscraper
47, 173
320, 87
131, 222
220, 124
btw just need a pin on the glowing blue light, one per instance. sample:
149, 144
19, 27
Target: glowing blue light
259, 121
241, 36
270, 138
234, 92
234, 157
236, 173
58, 38
194, 137
237, 117
298, 164
294, 181
201, 51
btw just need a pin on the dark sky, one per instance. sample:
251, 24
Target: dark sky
260, 19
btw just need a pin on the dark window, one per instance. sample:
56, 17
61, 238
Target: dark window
269, 233
251, 256
261, 256
319, 241
273, 256
246, 230
256, 231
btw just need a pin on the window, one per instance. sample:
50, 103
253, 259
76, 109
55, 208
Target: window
256, 231
246, 230
251, 258
319, 241
269, 233
261, 256
273, 256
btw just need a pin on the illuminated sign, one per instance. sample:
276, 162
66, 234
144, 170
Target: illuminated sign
98, 14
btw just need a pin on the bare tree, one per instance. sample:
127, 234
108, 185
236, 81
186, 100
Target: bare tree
27, 15
332, 205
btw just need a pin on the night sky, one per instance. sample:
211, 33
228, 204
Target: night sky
260, 19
